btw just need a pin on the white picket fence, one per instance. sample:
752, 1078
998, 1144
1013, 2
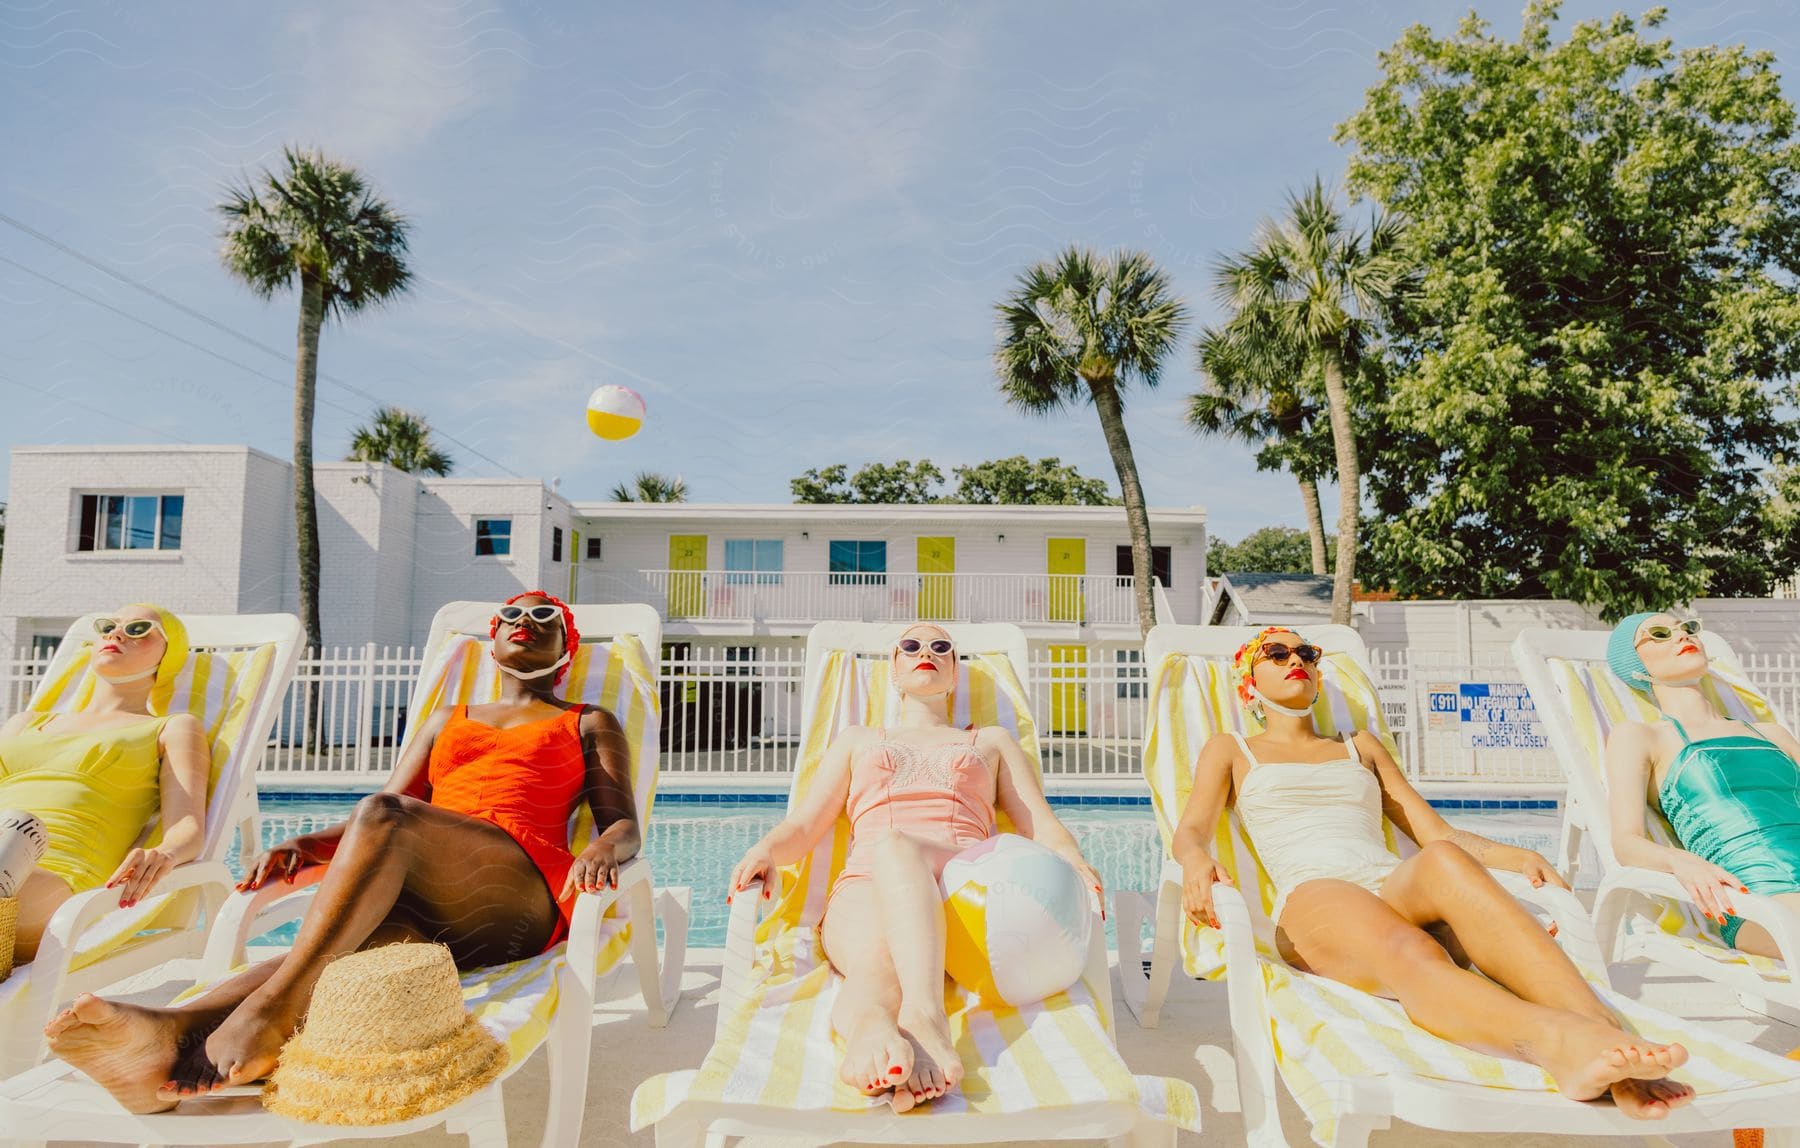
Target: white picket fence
735, 711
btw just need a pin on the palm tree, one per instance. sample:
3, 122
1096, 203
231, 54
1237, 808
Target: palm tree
1314, 282
318, 228
1083, 327
1254, 393
647, 486
402, 440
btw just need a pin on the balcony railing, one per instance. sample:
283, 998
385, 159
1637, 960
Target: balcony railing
811, 596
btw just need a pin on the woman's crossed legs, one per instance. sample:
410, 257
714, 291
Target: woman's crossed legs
404, 871
1536, 1006
886, 936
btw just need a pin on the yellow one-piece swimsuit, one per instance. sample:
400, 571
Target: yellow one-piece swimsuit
94, 790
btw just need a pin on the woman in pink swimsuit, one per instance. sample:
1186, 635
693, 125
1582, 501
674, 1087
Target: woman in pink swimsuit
917, 793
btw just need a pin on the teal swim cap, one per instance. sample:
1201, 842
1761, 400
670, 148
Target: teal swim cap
1622, 655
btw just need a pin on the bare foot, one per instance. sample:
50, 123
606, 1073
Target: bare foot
194, 1073
876, 1058
1650, 1099
127, 1050
936, 1067
1587, 1059
246, 1045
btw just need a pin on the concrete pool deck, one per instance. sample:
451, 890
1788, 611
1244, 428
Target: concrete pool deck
1193, 1042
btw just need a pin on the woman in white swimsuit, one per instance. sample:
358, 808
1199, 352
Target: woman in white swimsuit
1348, 909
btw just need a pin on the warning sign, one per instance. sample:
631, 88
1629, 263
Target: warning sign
1497, 715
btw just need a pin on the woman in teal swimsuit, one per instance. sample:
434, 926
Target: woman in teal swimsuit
1729, 789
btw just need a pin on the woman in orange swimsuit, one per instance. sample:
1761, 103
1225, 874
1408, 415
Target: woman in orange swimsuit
917, 793
467, 846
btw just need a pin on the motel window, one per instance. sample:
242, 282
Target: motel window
593, 549
556, 544
1160, 564
858, 563
1129, 670
493, 536
755, 560
130, 522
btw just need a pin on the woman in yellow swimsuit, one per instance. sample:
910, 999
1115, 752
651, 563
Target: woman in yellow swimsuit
93, 779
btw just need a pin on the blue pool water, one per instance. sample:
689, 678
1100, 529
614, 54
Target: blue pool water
695, 839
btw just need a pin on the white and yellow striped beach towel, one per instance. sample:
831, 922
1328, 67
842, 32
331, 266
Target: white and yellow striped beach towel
776, 1048
1597, 701
220, 688
1324, 1032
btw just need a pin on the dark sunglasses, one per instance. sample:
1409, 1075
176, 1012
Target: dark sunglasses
134, 629
939, 646
543, 615
1278, 653
1664, 633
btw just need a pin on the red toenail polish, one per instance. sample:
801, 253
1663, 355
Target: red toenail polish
894, 1071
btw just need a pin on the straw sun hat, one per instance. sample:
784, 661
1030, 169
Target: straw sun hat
9, 927
386, 1039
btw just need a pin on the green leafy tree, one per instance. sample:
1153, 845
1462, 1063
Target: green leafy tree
1270, 550
1019, 481
648, 486
1588, 382
1316, 287
1256, 392
402, 440
1082, 328
317, 228
903, 481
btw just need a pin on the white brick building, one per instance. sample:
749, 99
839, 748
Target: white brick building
210, 530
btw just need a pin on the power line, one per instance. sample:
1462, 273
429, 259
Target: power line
186, 342
201, 316
10, 381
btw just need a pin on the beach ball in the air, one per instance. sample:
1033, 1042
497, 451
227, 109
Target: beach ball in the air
1017, 918
615, 412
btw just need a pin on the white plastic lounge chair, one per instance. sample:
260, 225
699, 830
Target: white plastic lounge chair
1641, 914
1354, 1062
1047, 1071
233, 683
546, 1000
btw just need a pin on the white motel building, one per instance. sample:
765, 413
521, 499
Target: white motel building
209, 529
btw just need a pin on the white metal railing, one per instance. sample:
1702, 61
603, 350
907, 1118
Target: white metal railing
734, 710
811, 596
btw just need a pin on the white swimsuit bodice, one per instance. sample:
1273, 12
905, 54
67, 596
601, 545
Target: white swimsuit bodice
1310, 821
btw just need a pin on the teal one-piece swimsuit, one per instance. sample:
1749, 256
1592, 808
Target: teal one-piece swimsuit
1735, 801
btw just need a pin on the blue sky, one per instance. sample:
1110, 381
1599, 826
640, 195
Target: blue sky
785, 225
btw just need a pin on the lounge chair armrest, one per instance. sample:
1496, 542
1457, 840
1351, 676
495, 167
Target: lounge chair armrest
74, 916
740, 942
586, 923
251, 914
1574, 928
1783, 923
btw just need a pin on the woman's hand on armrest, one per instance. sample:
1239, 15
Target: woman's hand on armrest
281, 862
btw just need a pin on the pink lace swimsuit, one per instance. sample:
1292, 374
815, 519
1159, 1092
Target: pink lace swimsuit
943, 795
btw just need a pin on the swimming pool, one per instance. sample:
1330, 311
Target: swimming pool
695, 838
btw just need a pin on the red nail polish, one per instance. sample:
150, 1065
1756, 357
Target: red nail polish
728, 898
894, 1071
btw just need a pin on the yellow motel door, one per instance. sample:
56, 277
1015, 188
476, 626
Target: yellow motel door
937, 569
574, 564
687, 593
1068, 562
1068, 689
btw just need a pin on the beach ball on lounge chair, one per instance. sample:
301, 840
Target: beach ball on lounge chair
1018, 920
